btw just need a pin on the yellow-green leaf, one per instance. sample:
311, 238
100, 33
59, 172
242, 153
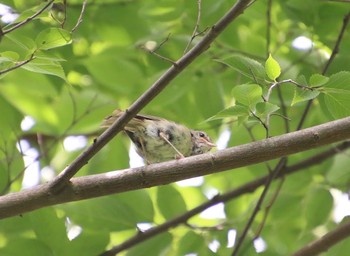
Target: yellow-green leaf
272, 68
52, 38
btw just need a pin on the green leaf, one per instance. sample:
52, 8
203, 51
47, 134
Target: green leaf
273, 69
336, 95
237, 110
113, 213
303, 95
247, 94
245, 66
318, 80
45, 66
190, 242
7, 60
52, 38
82, 244
152, 247
24, 42
49, 228
124, 79
265, 108
8, 56
170, 201
317, 207
9, 119
25, 247
338, 174
300, 95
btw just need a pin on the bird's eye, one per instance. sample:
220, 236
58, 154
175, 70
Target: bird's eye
201, 134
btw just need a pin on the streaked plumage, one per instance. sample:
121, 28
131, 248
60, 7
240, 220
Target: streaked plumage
158, 140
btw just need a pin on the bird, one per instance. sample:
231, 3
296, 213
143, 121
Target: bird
158, 140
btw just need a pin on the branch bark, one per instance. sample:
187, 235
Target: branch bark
172, 171
327, 241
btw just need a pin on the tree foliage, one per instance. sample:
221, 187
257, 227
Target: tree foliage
66, 65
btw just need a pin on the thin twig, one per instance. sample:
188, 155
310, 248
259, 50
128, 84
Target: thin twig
162, 57
195, 30
75, 108
283, 109
304, 87
63, 22
282, 116
18, 65
264, 124
304, 115
337, 44
18, 25
268, 208
154, 51
80, 19
42, 147
278, 169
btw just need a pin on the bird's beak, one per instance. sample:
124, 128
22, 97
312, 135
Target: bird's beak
209, 143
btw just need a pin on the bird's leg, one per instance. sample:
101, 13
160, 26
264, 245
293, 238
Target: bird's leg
164, 137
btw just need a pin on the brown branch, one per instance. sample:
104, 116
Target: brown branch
249, 187
22, 23
63, 178
327, 241
172, 171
